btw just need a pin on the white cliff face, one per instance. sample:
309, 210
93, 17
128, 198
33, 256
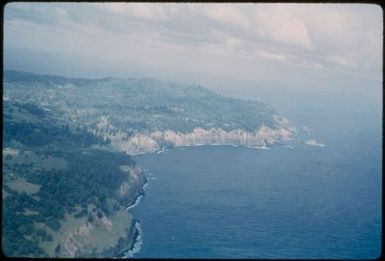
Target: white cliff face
136, 144
154, 141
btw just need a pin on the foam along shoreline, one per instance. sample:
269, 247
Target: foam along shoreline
138, 239
138, 197
164, 151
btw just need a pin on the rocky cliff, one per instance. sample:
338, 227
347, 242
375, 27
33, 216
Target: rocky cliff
148, 142
112, 236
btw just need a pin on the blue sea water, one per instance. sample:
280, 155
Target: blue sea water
305, 202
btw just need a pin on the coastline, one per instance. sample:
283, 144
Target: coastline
262, 147
137, 239
164, 150
137, 197
136, 231
142, 142
136, 234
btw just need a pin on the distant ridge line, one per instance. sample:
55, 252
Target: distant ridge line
16, 75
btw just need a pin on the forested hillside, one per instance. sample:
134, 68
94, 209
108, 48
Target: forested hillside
54, 182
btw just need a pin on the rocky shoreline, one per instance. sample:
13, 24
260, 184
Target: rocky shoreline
142, 142
157, 142
131, 242
125, 246
129, 245
81, 242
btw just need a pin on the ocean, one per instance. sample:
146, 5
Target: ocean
290, 201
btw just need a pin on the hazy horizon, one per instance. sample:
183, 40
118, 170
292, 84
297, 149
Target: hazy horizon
229, 47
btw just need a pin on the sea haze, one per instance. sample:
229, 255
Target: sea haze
305, 202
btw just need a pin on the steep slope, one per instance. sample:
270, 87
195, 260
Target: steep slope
62, 197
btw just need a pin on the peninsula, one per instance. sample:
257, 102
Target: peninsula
68, 176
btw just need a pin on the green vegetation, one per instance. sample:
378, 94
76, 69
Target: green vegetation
52, 179
21, 185
138, 104
40, 161
67, 225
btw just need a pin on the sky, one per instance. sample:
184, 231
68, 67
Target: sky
223, 46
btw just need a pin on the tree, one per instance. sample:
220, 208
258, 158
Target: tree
90, 217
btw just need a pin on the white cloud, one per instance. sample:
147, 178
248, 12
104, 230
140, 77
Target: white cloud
227, 13
139, 10
234, 42
321, 38
340, 60
280, 24
270, 55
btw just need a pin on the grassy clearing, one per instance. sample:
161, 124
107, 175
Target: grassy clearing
69, 225
4, 194
102, 237
10, 151
38, 161
21, 185
29, 212
23, 116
